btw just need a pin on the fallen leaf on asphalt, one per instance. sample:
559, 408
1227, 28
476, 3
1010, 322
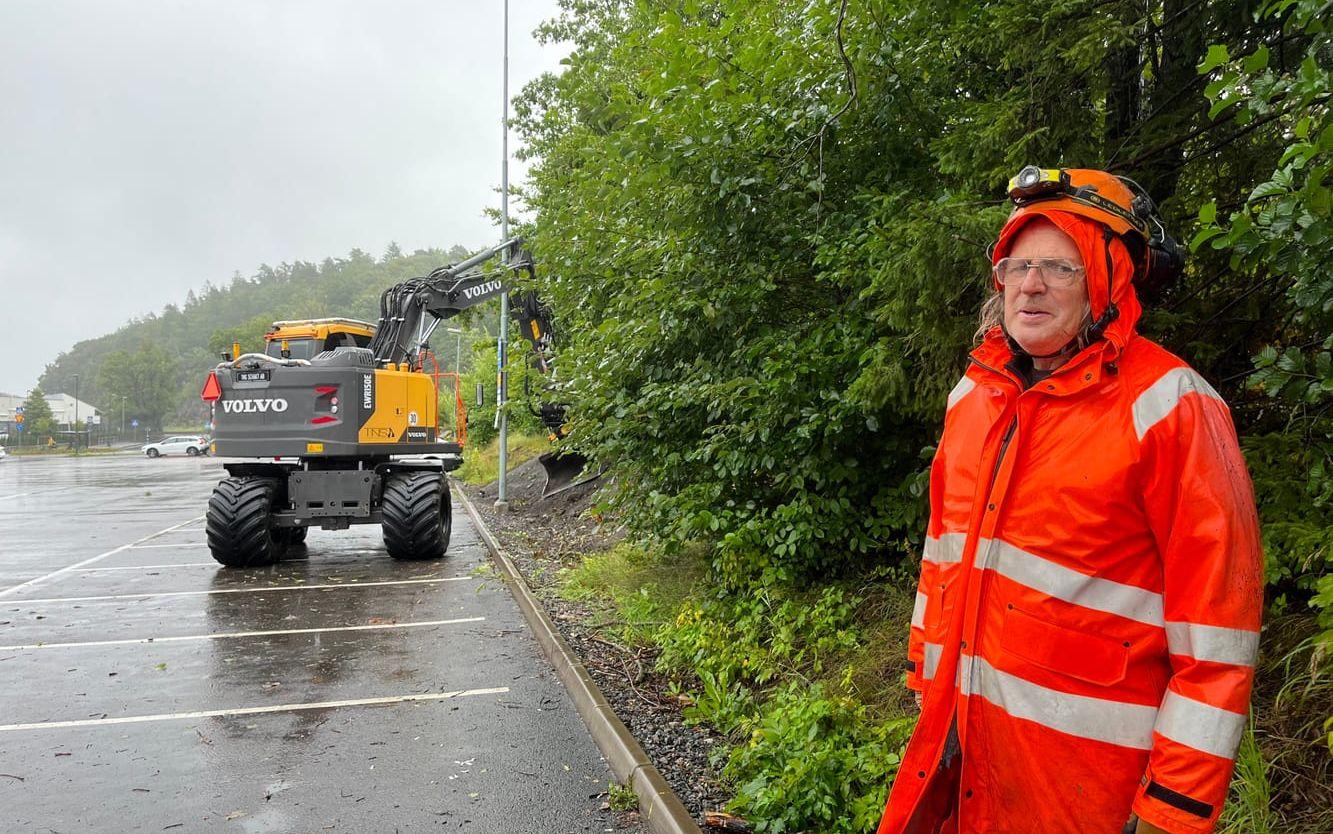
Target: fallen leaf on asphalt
235, 815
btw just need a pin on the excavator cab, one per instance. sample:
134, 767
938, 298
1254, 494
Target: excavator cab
307, 338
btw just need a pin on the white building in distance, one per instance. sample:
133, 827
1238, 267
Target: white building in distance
62, 410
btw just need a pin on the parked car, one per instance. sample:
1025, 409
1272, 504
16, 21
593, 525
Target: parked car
3, 453
192, 445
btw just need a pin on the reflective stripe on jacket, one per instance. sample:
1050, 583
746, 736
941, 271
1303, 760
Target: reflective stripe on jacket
1090, 594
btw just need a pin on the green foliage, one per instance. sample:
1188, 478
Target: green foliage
1249, 808
814, 762
145, 378
38, 422
761, 636
1282, 233
248, 334
481, 418
481, 462
1294, 492
622, 798
645, 590
720, 703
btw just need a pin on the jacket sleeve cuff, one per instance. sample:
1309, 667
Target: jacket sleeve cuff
1173, 812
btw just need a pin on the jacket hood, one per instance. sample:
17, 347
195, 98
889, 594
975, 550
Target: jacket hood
1092, 239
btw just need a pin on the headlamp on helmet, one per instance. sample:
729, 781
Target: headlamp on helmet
1033, 183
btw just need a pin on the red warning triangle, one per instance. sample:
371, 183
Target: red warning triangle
212, 389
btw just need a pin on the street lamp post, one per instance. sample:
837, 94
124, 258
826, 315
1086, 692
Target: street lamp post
76, 414
122, 417
501, 494
458, 352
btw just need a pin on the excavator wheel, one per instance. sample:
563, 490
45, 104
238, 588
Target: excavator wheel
416, 515
240, 526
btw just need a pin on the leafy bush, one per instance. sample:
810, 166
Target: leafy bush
759, 636
814, 762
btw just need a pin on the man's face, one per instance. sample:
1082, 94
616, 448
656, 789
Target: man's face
1043, 317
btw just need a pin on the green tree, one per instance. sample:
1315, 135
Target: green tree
38, 422
146, 377
249, 334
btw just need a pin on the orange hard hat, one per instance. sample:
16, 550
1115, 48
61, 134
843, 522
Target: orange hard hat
1118, 203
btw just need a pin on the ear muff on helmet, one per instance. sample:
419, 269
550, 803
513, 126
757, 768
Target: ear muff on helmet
1120, 204
1163, 262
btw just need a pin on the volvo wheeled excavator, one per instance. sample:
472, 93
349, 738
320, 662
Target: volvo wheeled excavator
339, 420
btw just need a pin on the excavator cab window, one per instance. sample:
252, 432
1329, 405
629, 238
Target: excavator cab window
297, 348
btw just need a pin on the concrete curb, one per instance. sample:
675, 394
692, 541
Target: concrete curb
662, 810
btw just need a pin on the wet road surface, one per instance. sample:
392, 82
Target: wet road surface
145, 688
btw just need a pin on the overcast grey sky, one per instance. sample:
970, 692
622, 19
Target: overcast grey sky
147, 146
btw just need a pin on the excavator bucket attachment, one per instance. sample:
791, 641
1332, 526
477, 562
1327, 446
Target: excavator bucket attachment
565, 470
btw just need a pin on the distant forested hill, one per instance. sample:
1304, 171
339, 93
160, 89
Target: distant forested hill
157, 362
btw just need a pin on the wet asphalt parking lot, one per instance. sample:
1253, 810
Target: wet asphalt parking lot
145, 688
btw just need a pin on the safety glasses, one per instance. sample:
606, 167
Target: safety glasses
1054, 272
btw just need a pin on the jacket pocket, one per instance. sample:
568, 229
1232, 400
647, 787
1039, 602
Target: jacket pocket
1093, 658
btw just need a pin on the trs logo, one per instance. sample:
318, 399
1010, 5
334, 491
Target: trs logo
258, 406
481, 289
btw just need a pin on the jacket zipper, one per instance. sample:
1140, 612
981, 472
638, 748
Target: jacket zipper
990, 487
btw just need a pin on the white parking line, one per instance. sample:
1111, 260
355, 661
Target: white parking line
97, 558
182, 544
34, 492
271, 589
223, 713
231, 635
149, 567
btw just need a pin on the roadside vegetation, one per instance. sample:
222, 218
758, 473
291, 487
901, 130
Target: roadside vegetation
763, 229
481, 461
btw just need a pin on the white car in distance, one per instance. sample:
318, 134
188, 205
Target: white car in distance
192, 445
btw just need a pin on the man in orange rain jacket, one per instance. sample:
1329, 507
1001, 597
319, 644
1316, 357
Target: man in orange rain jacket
1088, 613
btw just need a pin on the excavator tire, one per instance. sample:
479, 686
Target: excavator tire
240, 526
416, 517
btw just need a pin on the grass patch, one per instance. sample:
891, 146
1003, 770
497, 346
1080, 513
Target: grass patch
622, 798
638, 590
481, 465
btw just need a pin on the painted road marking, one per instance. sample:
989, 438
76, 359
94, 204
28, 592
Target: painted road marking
97, 558
231, 635
149, 567
272, 589
182, 544
224, 713
34, 492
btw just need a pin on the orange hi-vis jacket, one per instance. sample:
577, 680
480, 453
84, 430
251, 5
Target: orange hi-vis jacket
1088, 612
